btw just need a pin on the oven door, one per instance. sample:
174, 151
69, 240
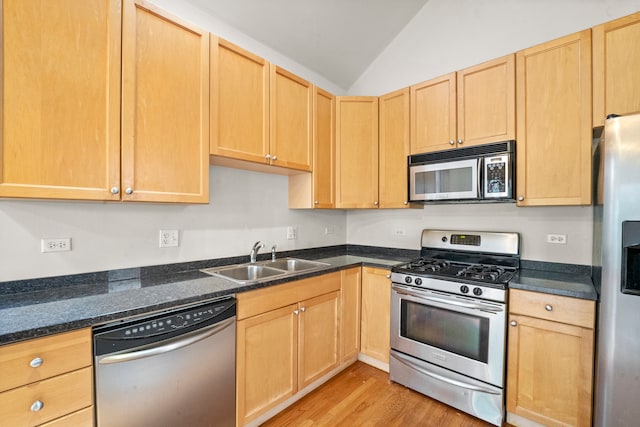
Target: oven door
455, 180
458, 333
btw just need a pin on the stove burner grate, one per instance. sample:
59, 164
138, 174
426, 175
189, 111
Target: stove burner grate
481, 272
428, 264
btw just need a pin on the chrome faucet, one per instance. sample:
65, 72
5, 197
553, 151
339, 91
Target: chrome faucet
254, 251
273, 253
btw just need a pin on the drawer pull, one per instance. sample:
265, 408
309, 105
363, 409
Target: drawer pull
36, 362
36, 406
548, 307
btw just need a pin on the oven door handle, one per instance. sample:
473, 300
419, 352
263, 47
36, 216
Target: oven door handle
442, 378
444, 300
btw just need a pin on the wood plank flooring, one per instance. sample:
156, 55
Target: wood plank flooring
362, 395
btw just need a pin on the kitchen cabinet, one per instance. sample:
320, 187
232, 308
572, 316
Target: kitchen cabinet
550, 359
165, 107
356, 152
60, 99
376, 308
393, 149
350, 301
64, 71
287, 337
616, 59
260, 112
554, 122
48, 379
317, 189
469, 107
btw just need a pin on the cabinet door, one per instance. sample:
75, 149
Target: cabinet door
239, 103
291, 117
433, 114
549, 372
60, 99
553, 84
267, 361
487, 102
165, 107
356, 152
319, 344
350, 314
376, 307
616, 61
393, 149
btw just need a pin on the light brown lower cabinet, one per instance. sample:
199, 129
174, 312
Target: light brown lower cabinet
550, 359
287, 337
350, 301
376, 307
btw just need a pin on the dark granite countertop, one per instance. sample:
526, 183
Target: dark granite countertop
39, 307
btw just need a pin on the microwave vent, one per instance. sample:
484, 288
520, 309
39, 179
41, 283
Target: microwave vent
461, 153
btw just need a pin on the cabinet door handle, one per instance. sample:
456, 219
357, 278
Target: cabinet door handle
129, 190
36, 406
388, 276
268, 156
296, 312
521, 198
274, 158
513, 323
452, 142
460, 141
548, 307
375, 203
114, 190
36, 362
316, 202
303, 309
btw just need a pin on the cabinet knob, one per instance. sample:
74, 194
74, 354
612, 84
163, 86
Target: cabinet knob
36, 406
513, 323
274, 158
114, 190
268, 156
405, 202
36, 362
460, 142
303, 309
388, 276
375, 203
452, 142
548, 307
296, 311
520, 198
128, 190
316, 202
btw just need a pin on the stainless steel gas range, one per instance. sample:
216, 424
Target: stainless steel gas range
448, 319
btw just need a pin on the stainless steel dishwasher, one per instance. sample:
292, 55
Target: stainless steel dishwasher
175, 368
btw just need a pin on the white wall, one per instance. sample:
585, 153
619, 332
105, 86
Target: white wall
245, 207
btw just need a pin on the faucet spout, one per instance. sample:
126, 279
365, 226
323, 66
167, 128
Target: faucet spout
254, 251
273, 253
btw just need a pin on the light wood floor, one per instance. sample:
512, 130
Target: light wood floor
362, 395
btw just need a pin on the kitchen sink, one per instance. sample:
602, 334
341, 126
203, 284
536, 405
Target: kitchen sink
264, 270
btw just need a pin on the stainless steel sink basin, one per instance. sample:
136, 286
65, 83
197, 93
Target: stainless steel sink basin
245, 273
294, 264
264, 270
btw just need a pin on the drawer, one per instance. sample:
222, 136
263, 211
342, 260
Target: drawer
58, 354
273, 297
83, 417
59, 395
573, 311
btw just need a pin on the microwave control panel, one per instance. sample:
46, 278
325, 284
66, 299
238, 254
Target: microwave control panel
497, 179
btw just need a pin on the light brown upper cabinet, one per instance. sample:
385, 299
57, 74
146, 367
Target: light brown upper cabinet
260, 112
554, 122
165, 107
356, 151
317, 189
393, 149
616, 61
60, 99
469, 107
62, 103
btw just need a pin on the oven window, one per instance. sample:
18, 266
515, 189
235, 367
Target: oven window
444, 181
448, 330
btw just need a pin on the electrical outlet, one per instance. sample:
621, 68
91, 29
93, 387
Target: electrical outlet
169, 238
329, 230
557, 239
55, 245
291, 233
400, 232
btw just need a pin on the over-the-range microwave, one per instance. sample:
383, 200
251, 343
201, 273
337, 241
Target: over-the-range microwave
477, 173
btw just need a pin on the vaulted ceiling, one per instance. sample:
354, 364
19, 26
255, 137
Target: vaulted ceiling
337, 39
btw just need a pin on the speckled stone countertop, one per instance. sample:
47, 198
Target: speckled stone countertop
39, 307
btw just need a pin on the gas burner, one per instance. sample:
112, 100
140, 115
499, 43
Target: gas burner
428, 264
481, 272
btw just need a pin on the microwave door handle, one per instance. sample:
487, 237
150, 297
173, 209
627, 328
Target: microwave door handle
479, 189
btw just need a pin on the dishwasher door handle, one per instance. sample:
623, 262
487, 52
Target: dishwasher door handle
171, 346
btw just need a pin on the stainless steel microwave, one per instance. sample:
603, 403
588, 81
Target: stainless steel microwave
477, 173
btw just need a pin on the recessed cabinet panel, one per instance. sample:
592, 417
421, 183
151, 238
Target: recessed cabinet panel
60, 99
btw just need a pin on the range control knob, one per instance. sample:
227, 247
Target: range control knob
477, 291
464, 289
407, 279
418, 281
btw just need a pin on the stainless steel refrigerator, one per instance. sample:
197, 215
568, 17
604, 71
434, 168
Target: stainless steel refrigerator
616, 272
